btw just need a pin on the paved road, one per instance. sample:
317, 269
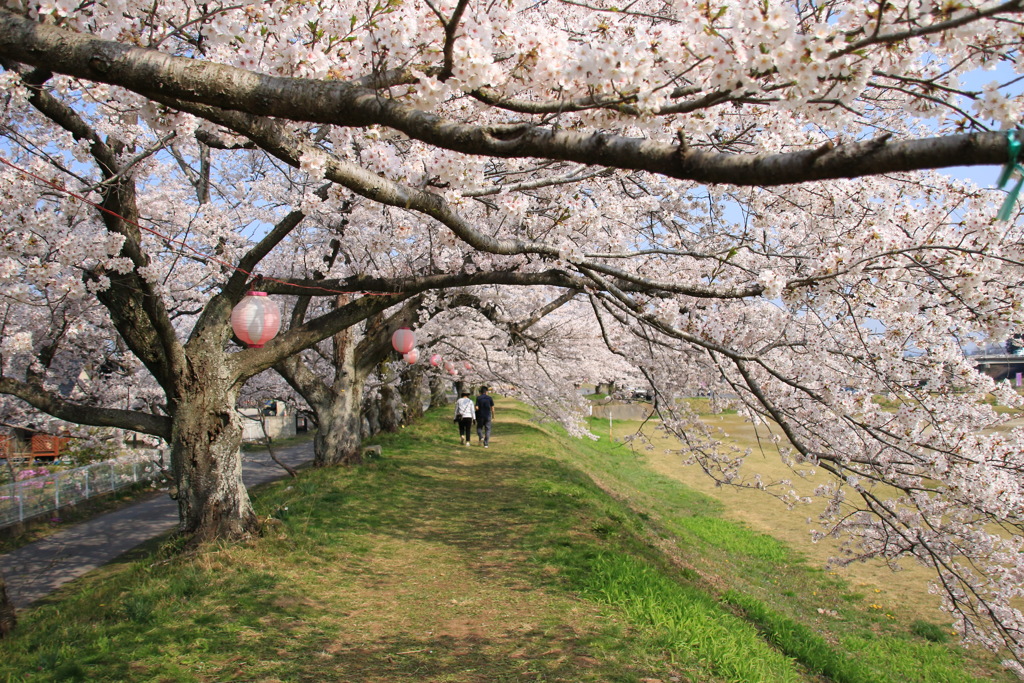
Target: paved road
39, 568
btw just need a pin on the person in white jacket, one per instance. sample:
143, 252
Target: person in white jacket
464, 418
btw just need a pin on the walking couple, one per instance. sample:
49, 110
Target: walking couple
464, 414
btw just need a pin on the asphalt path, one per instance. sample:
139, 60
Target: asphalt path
37, 569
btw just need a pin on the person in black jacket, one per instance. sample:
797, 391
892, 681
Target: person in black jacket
484, 413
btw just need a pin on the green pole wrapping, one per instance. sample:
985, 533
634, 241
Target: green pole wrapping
1011, 167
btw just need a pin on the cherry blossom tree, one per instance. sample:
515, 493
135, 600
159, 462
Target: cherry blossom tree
539, 345
334, 377
744, 195
489, 336
334, 388
159, 295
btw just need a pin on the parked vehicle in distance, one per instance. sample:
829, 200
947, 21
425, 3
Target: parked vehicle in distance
635, 394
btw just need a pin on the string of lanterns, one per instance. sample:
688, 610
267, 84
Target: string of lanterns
403, 340
257, 319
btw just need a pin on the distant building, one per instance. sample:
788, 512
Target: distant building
277, 416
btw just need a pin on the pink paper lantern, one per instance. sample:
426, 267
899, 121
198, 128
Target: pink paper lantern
435, 360
412, 356
449, 367
403, 340
468, 365
256, 319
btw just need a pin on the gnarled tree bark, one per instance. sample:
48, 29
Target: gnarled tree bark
338, 405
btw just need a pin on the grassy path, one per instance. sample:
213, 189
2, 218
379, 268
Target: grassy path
448, 563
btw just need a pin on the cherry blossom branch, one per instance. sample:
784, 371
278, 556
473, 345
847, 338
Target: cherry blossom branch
925, 96
910, 533
577, 176
160, 76
255, 360
1009, 7
247, 264
126, 168
135, 309
310, 385
514, 328
627, 12
623, 104
275, 140
547, 310
52, 404
451, 27
422, 283
638, 312
371, 350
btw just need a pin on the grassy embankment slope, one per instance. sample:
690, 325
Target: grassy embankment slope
904, 592
539, 559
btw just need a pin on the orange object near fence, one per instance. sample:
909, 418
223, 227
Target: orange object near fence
43, 447
46, 447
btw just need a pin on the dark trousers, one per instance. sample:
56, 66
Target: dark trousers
466, 428
483, 431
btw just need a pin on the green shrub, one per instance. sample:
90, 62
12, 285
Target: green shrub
689, 619
801, 643
734, 537
929, 631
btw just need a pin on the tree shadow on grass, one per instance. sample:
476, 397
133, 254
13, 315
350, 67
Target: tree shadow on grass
534, 654
472, 499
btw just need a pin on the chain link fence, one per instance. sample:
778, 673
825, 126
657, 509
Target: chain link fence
38, 491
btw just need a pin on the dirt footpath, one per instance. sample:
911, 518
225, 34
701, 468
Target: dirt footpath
37, 569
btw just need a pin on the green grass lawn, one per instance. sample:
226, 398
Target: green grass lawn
541, 558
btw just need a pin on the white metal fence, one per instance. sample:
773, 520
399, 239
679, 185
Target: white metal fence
42, 491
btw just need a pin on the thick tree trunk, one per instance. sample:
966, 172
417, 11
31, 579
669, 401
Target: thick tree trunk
212, 500
7, 616
337, 406
371, 418
390, 408
438, 392
413, 392
339, 437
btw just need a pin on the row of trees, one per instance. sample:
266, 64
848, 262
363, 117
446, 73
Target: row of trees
737, 194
